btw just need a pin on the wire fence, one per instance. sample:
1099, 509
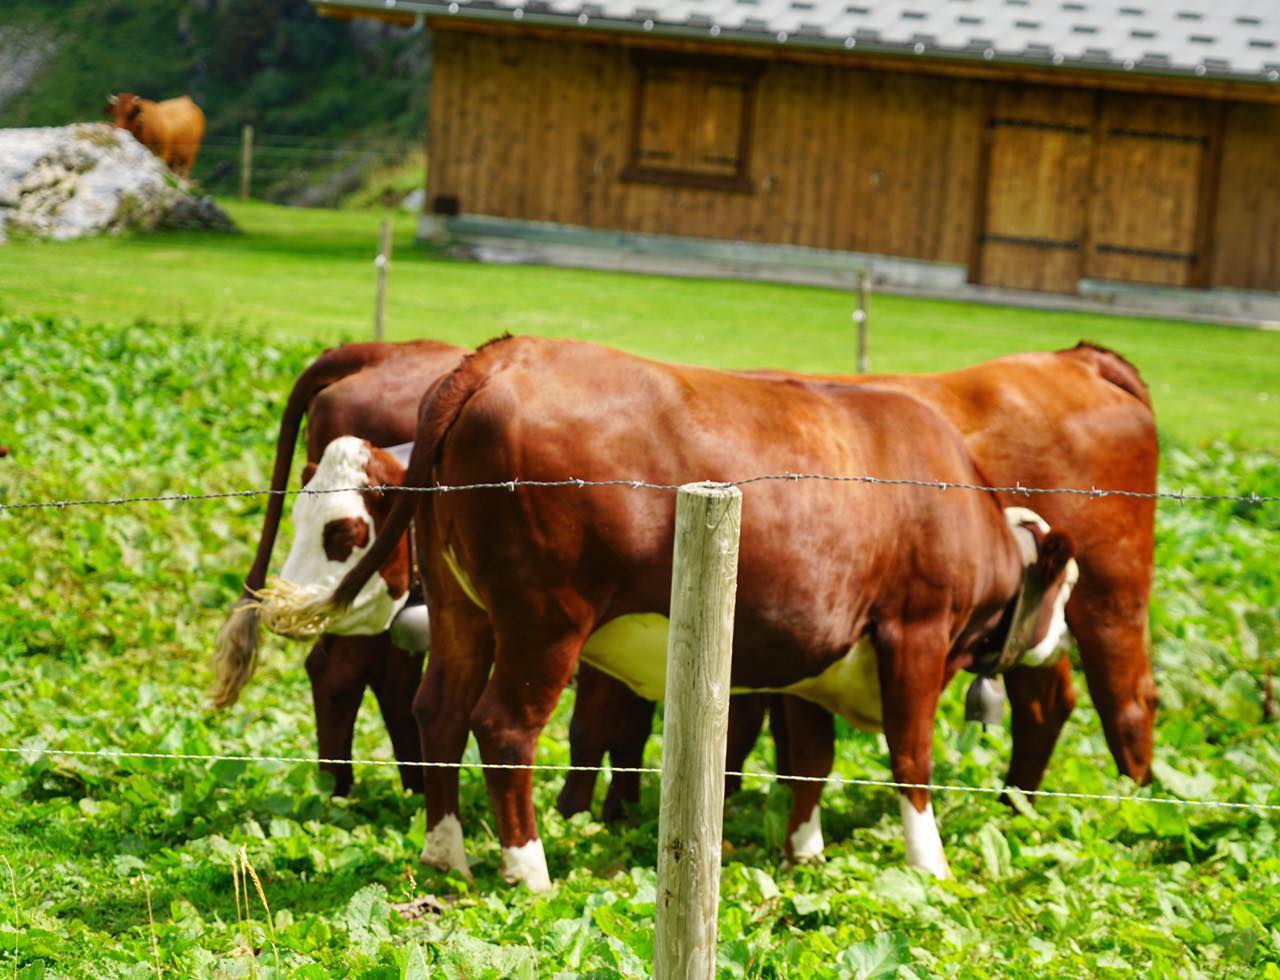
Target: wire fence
635, 484
833, 779
517, 484
276, 158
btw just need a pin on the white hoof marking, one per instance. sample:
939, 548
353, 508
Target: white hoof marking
805, 844
924, 845
443, 847
528, 864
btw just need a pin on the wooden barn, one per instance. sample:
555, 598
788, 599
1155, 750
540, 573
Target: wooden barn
1054, 145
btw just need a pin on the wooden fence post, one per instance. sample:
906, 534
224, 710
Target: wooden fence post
704, 583
860, 318
383, 262
246, 161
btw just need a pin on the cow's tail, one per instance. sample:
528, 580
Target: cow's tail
440, 407
235, 654
1113, 368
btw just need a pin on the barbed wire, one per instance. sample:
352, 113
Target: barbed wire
834, 779
516, 484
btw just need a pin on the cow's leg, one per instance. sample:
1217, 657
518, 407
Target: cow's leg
781, 735
632, 725
397, 678
1042, 698
912, 667
812, 747
607, 717
461, 653
528, 677
336, 666
1108, 616
746, 718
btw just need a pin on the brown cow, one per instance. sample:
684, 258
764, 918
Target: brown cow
1022, 418
370, 391
172, 129
1075, 418
865, 600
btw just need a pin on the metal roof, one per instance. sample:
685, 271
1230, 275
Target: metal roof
1224, 39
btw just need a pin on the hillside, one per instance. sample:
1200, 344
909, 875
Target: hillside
329, 100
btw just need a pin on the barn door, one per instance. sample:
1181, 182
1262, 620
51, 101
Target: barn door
1036, 204
1152, 155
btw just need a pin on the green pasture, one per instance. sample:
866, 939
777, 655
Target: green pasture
309, 275
160, 364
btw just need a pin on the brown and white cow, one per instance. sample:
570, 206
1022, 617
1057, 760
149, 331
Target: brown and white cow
335, 521
370, 391
862, 599
1079, 417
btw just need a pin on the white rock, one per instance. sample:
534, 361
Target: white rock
71, 181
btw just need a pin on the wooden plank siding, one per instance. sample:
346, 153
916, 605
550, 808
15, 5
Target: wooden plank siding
540, 125
1146, 196
1247, 228
538, 129
1037, 195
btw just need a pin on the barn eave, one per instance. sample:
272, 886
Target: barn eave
921, 54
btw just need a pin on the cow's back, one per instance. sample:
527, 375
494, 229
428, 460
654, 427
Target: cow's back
553, 411
380, 402
1056, 420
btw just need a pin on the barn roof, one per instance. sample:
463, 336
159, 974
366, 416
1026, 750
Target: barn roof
1224, 39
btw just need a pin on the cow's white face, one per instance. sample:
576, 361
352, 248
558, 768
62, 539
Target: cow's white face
332, 531
1047, 622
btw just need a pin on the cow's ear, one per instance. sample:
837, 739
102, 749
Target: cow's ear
383, 468
1056, 550
308, 472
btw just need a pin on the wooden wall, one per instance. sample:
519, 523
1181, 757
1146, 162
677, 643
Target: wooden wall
540, 130
1032, 187
1246, 236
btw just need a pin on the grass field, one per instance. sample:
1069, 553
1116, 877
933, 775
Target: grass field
124, 867
309, 274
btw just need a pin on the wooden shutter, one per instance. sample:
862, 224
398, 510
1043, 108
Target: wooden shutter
664, 120
1037, 189
692, 123
718, 126
1146, 199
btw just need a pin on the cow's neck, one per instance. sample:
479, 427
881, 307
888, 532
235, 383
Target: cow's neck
983, 639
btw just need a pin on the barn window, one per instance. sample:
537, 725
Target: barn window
692, 122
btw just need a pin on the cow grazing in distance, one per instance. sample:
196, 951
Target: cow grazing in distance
172, 129
863, 599
1079, 417
371, 392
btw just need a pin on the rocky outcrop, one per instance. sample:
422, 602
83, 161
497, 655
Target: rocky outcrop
72, 181
24, 51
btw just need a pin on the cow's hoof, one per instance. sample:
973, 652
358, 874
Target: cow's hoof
615, 809
792, 861
940, 871
804, 846
443, 848
527, 865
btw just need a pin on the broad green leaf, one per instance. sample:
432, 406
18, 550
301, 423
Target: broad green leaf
881, 956
367, 917
416, 966
995, 852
